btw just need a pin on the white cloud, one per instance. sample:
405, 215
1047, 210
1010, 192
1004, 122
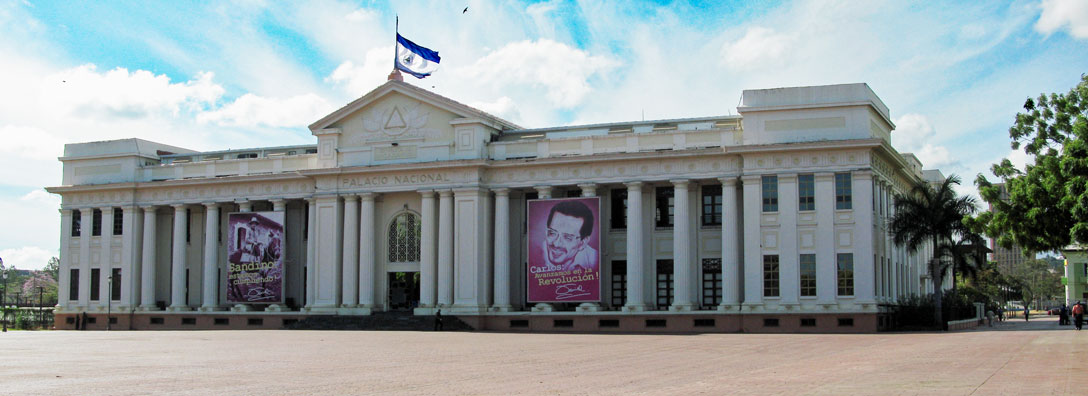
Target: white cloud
914, 134
563, 71
252, 111
26, 257
84, 92
356, 80
41, 197
504, 107
1071, 15
759, 48
30, 143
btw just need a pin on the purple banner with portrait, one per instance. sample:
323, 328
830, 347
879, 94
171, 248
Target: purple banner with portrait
564, 250
255, 250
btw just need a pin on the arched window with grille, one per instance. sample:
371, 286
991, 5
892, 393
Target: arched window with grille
404, 234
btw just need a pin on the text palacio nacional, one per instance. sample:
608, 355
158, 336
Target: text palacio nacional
772, 220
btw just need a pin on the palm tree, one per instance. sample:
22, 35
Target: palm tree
967, 253
931, 215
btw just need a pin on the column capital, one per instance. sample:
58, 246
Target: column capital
787, 177
750, 178
350, 197
65, 212
242, 201
445, 193
149, 208
368, 196
427, 193
728, 180
129, 208
310, 200
543, 190
823, 175
634, 185
278, 201
106, 209
681, 183
501, 192
211, 205
180, 206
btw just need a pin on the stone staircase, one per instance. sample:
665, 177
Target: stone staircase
380, 321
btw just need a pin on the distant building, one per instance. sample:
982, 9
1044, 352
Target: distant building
1006, 259
1076, 274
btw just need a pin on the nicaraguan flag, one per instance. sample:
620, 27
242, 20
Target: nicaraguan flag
414, 59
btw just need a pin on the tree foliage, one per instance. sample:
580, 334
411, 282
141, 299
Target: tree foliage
1047, 204
935, 216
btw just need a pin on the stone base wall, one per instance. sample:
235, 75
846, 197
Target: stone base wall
179, 321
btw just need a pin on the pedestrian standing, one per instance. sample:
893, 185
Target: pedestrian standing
1063, 315
1000, 314
1025, 313
1078, 315
990, 317
438, 320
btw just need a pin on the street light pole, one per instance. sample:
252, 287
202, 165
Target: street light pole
41, 312
109, 298
3, 302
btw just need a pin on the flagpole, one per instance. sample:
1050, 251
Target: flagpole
396, 31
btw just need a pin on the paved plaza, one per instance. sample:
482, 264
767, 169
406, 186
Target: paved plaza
1013, 358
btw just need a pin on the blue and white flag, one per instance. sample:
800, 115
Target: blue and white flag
414, 59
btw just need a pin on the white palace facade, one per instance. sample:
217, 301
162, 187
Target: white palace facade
770, 220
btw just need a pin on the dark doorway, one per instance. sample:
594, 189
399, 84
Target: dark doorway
403, 291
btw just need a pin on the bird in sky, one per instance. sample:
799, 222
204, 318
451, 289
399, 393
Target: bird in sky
465, 10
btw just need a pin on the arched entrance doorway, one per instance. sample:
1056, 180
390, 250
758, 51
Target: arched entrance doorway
403, 291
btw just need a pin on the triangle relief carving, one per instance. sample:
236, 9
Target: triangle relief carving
396, 122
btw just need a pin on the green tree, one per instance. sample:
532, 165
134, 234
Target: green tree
966, 254
935, 216
1047, 204
53, 267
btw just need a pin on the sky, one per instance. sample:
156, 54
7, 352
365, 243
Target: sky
229, 75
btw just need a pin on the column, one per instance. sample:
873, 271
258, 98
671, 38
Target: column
64, 276
105, 258
279, 205
730, 247
864, 263
366, 250
753, 245
428, 259
210, 299
683, 268
445, 248
147, 260
826, 262
328, 254
635, 263
472, 253
178, 264
311, 225
589, 190
789, 261
543, 192
502, 250
129, 269
351, 252
86, 228
245, 206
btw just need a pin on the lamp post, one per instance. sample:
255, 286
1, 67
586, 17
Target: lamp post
109, 298
41, 311
3, 303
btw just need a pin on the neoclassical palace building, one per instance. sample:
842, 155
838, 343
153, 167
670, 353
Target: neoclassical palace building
771, 220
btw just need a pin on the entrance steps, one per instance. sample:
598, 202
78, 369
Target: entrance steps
379, 321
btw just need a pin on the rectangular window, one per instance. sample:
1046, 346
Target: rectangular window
188, 222
115, 284
76, 219
118, 221
73, 284
95, 284
619, 209
770, 193
770, 275
664, 283
712, 282
843, 191
808, 275
846, 274
712, 205
663, 211
96, 223
806, 192
619, 283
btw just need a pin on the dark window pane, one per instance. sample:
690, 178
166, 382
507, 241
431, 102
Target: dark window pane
806, 192
115, 285
95, 273
619, 208
118, 221
664, 206
770, 193
96, 223
712, 205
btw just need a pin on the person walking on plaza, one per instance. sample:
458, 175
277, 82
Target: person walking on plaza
990, 317
438, 320
1063, 315
1000, 314
1025, 313
1078, 314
